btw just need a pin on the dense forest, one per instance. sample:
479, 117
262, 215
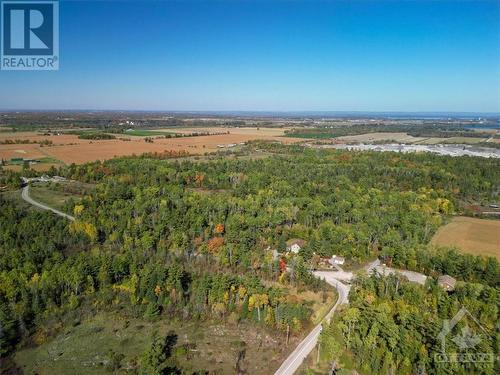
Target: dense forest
195, 239
393, 327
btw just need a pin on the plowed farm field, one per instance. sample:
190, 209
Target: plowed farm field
68, 148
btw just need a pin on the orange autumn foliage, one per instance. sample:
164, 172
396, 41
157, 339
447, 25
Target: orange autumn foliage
199, 178
219, 228
214, 244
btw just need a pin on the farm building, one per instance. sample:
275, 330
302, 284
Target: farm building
447, 282
294, 245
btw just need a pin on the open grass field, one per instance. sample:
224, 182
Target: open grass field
471, 235
85, 345
143, 132
85, 348
68, 148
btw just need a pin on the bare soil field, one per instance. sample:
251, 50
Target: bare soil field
475, 236
69, 148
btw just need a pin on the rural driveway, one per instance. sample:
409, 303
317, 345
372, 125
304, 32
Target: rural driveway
381, 269
335, 279
306, 346
26, 196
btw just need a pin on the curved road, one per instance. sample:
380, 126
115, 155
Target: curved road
335, 278
306, 346
26, 196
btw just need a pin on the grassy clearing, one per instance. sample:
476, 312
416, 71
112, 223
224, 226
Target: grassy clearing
87, 339
471, 235
52, 198
58, 194
87, 346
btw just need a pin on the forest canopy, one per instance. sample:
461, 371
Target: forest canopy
195, 239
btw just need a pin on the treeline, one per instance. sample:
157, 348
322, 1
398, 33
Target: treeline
44, 142
441, 261
393, 327
96, 136
440, 131
116, 122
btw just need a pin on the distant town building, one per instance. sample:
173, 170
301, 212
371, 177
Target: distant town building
294, 245
447, 282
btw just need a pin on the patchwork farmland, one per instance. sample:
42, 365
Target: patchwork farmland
69, 148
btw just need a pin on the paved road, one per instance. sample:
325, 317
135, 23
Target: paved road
27, 198
337, 279
306, 346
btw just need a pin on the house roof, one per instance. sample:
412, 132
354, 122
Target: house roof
295, 241
447, 279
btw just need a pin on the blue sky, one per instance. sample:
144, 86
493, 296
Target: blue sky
265, 55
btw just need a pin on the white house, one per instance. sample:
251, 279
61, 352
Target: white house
294, 245
337, 260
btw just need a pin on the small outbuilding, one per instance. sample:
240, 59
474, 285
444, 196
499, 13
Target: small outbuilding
447, 282
337, 260
294, 245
